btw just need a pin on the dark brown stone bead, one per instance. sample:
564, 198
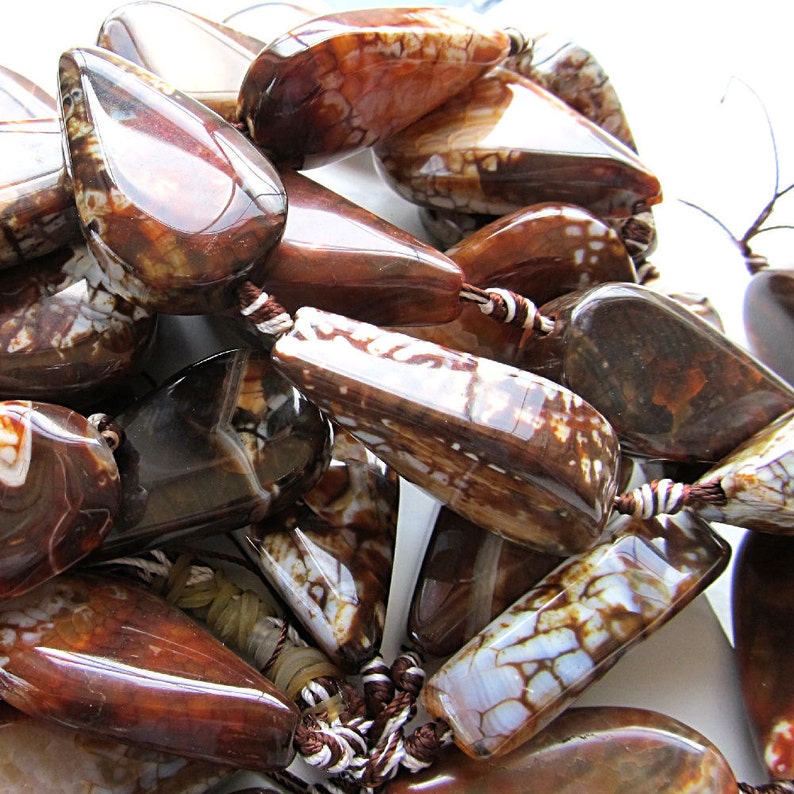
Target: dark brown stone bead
599, 750
341, 82
670, 384
21, 98
224, 442
339, 257
113, 660
59, 492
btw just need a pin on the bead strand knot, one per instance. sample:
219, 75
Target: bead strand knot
660, 497
266, 314
508, 307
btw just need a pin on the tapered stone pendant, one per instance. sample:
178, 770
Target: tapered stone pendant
225, 442
63, 337
514, 453
156, 36
59, 492
113, 660
671, 385
21, 98
504, 143
598, 750
336, 256
341, 82
526, 666
177, 207
330, 557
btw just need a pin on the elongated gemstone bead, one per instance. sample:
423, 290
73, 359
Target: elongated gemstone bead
468, 577
503, 143
341, 82
63, 337
514, 453
156, 36
38, 755
598, 750
37, 209
21, 98
526, 666
59, 491
330, 558
224, 442
337, 256
113, 660
671, 385
176, 205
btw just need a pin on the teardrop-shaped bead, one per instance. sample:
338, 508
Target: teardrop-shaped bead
503, 143
37, 210
769, 319
599, 750
176, 205
339, 257
330, 558
671, 385
59, 492
525, 667
763, 610
222, 443
342, 82
21, 98
516, 454
63, 337
467, 578
157, 37
111, 659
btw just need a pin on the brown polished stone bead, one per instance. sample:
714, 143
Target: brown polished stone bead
111, 659
21, 98
769, 319
503, 143
339, 257
516, 454
157, 37
670, 384
524, 668
59, 492
63, 337
341, 82
467, 578
600, 750
224, 442
176, 205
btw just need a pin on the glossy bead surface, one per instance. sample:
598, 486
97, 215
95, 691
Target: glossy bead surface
114, 660
339, 257
59, 492
600, 750
526, 666
503, 143
21, 98
176, 205
224, 442
341, 82
671, 385
268, 20
514, 453
63, 337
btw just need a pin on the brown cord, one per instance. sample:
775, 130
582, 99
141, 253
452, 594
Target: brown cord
508, 307
266, 314
776, 787
660, 497
110, 430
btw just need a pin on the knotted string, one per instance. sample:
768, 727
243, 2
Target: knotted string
660, 497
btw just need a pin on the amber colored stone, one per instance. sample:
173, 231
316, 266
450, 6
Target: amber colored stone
339, 257
37, 209
330, 557
176, 205
600, 750
670, 384
59, 492
341, 82
224, 442
63, 337
503, 143
21, 98
525, 667
514, 453
769, 319
113, 660
157, 37
467, 578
